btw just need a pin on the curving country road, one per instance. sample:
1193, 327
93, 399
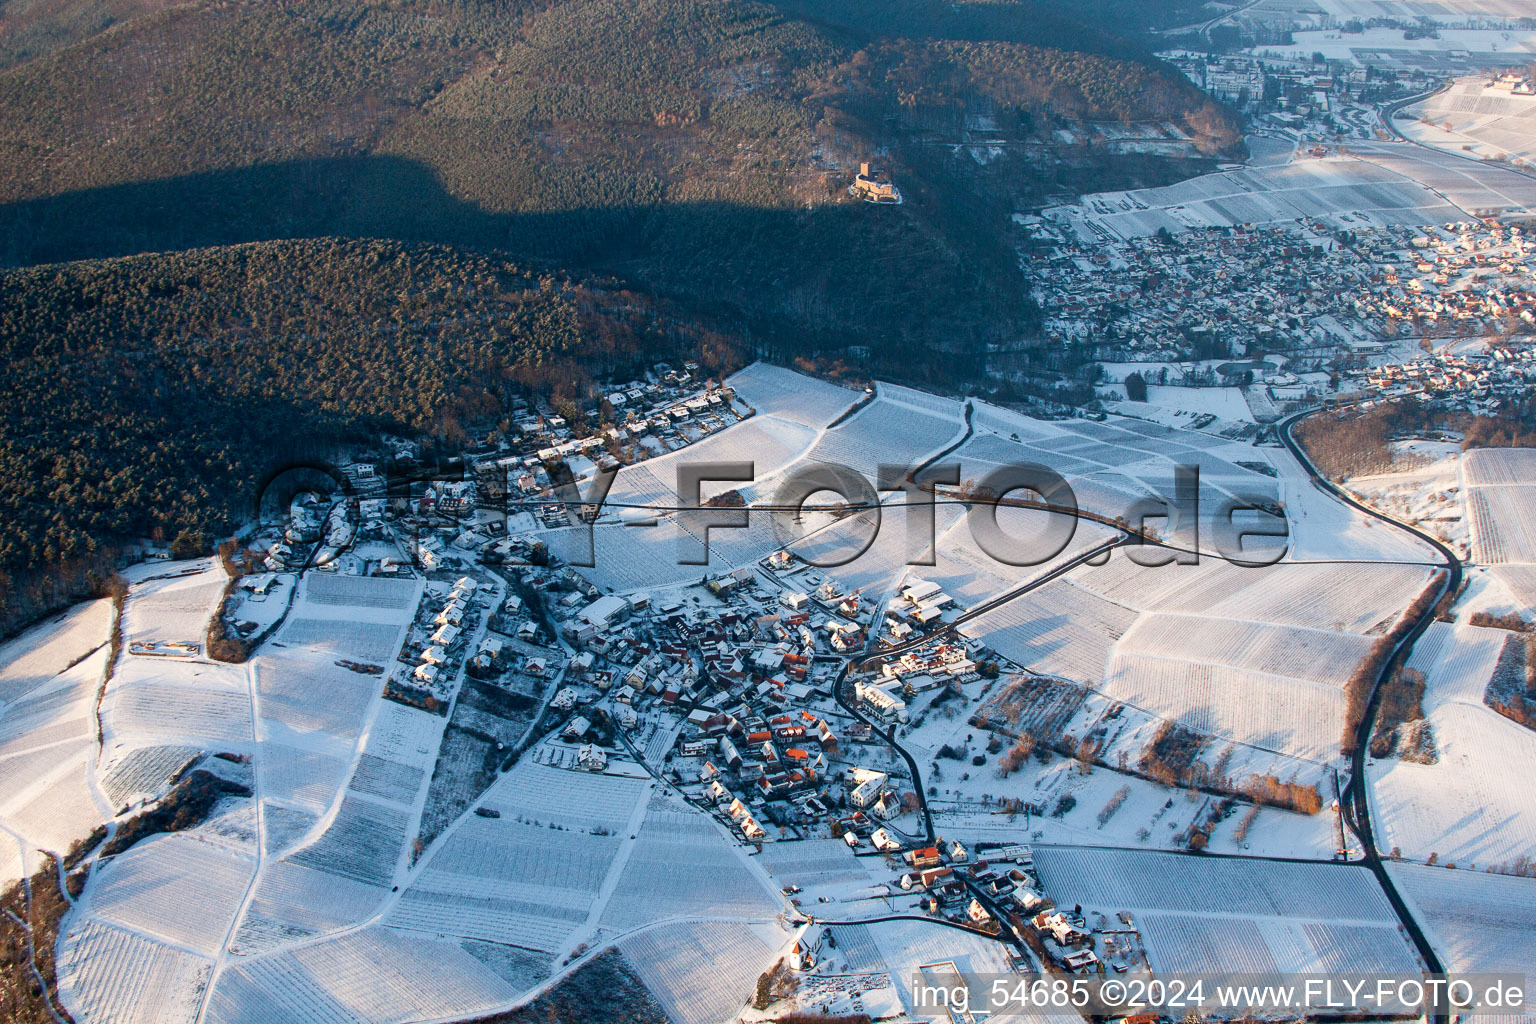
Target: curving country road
1355, 806
889, 735
1355, 798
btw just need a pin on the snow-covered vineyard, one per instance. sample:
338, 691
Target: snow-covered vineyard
797, 777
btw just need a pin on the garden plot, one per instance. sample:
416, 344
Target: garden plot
1104, 455
1355, 598
507, 881
521, 968
1323, 189
774, 391
893, 429
1235, 916
179, 889
1483, 467
1145, 882
1206, 945
569, 799
728, 547
683, 866
1503, 523
387, 780
1476, 922
1059, 629
1469, 807
811, 862
55, 714
57, 807
322, 588
1293, 716
768, 442
1318, 655
1472, 186
702, 972
1520, 581
642, 483
108, 974
401, 746
1032, 704
1360, 598
300, 693
232, 822
1016, 426
292, 901
498, 916
282, 827
364, 842
828, 542
375, 975
375, 642
856, 947
1220, 484
297, 775
150, 700
1144, 588
44, 651
1184, 943
627, 558
983, 453
467, 763
143, 773
173, 608
971, 576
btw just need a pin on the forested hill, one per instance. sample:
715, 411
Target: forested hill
538, 191
149, 394
697, 147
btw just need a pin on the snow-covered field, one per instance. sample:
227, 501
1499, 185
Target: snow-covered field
1476, 922
313, 901
1469, 184
773, 391
1234, 916
1500, 486
1325, 189
1427, 494
1492, 122
702, 972
49, 678
678, 849
1473, 807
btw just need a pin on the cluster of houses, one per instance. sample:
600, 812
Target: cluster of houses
751, 639
446, 628
1477, 382
1286, 92
458, 522
1472, 273
749, 766
940, 662
311, 520
921, 604
628, 422
1514, 83
978, 887
1301, 290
